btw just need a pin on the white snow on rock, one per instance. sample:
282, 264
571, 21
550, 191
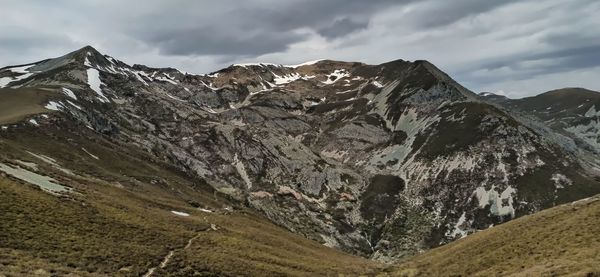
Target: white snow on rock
34, 122
88, 152
377, 84
4, 81
180, 213
303, 64
140, 75
30, 165
69, 93
277, 65
21, 69
52, 162
560, 180
46, 183
592, 112
74, 105
336, 76
87, 61
255, 64
205, 210
280, 80
95, 83
167, 79
495, 200
458, 228
55, 106
174, 98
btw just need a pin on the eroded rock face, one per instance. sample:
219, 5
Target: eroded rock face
377, 160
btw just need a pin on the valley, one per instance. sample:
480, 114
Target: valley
322, 168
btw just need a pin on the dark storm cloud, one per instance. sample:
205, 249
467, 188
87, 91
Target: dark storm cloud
204, 41
250, 29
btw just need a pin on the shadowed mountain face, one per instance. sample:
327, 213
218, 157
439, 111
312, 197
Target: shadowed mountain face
377, 160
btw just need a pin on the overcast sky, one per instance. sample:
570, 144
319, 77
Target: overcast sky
516, 48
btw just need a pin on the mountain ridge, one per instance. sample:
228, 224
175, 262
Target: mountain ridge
383, 160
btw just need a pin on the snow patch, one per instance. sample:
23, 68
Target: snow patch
255, 64
496, 200
32, 166
180, 213
69, 93
91, 155
4, 81
458, 227
46, 183
280, 80
52, 162
304, 63
560, 181
592, 112
74, 105
87, 61
55, 106
167, 79
335, 76
95, 83
377, 84
34, 122
174, 98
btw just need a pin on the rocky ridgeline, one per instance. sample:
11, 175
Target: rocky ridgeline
378, 160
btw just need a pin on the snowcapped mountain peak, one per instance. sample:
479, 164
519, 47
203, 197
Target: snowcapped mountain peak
352, 150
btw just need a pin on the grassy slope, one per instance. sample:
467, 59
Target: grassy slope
16, 104
560, 241
119, 223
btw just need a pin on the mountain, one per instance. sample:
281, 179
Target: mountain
570, 112
382, 161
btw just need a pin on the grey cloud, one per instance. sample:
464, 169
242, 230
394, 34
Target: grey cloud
559, 61
342, 28
435, 14
20, 39
205, 41
250, 29
520, 39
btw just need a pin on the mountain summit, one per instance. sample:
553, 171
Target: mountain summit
382, 161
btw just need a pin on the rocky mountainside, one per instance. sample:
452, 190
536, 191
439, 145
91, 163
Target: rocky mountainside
573, 112
381, 161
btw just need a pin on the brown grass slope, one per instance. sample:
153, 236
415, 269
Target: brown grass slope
563, 240
16, 104
119, 220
